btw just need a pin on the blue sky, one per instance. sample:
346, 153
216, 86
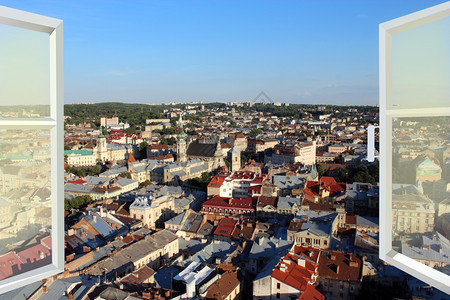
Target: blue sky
320, 52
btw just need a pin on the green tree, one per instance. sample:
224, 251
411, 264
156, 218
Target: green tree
80, 173
125, 175
255, 132
320, 170
168, 141
143, 149
143, 145
206, 177
341, 174
77, 202
374, 171
5, 162
67, 147
228, 164
145, 184
94, 170
360, 173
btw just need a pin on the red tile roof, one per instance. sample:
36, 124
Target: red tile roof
297, 267
131, 158
216, 181
244, 231
225, 227
138, 276
313, 188
78, 181
10, 264
311, 293
157, 147
350, 219
263, 201
239, 136
223, 287
35, 253
340, 266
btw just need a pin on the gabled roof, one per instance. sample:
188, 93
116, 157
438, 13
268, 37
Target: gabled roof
199, 149
224, 286
311, 293
131, 158
297, 267
263, 201
225, 227
340, 266
138, 276
216, 181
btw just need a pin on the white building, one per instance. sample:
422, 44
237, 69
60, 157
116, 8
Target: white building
80, 158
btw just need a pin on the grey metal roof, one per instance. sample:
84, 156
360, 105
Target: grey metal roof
134, 252
319, 229
367, 221
205, 229
125, 181
111, 293
23, 292
183, 202
100, 225
215, 249
178, 173
435, 248
58, 288
287, 202
196, 169
92, 180
192, 245
116, 170
288, 182
77, 188
141, 203
234, 150
176, 220
268, 247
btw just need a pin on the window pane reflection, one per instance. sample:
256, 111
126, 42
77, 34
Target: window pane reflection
25, 200
420, 189
24, 73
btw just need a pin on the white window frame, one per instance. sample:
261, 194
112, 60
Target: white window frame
387, 30
55, 123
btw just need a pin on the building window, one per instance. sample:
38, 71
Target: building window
278, 295
278, 285
405, 81
31, 79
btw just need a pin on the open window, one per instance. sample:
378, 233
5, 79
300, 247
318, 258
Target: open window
31, 148
415, 144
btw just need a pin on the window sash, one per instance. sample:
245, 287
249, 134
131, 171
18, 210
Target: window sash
55, 123
387, 113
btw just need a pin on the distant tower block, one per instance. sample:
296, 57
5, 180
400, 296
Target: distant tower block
235, 160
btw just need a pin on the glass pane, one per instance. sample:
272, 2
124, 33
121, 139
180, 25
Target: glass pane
25, 200
24, 73
421, 189
421, 66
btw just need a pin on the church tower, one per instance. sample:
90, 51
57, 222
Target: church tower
235, 159
181, 142
101, 146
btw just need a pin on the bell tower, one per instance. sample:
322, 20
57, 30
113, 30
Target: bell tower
181, 142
